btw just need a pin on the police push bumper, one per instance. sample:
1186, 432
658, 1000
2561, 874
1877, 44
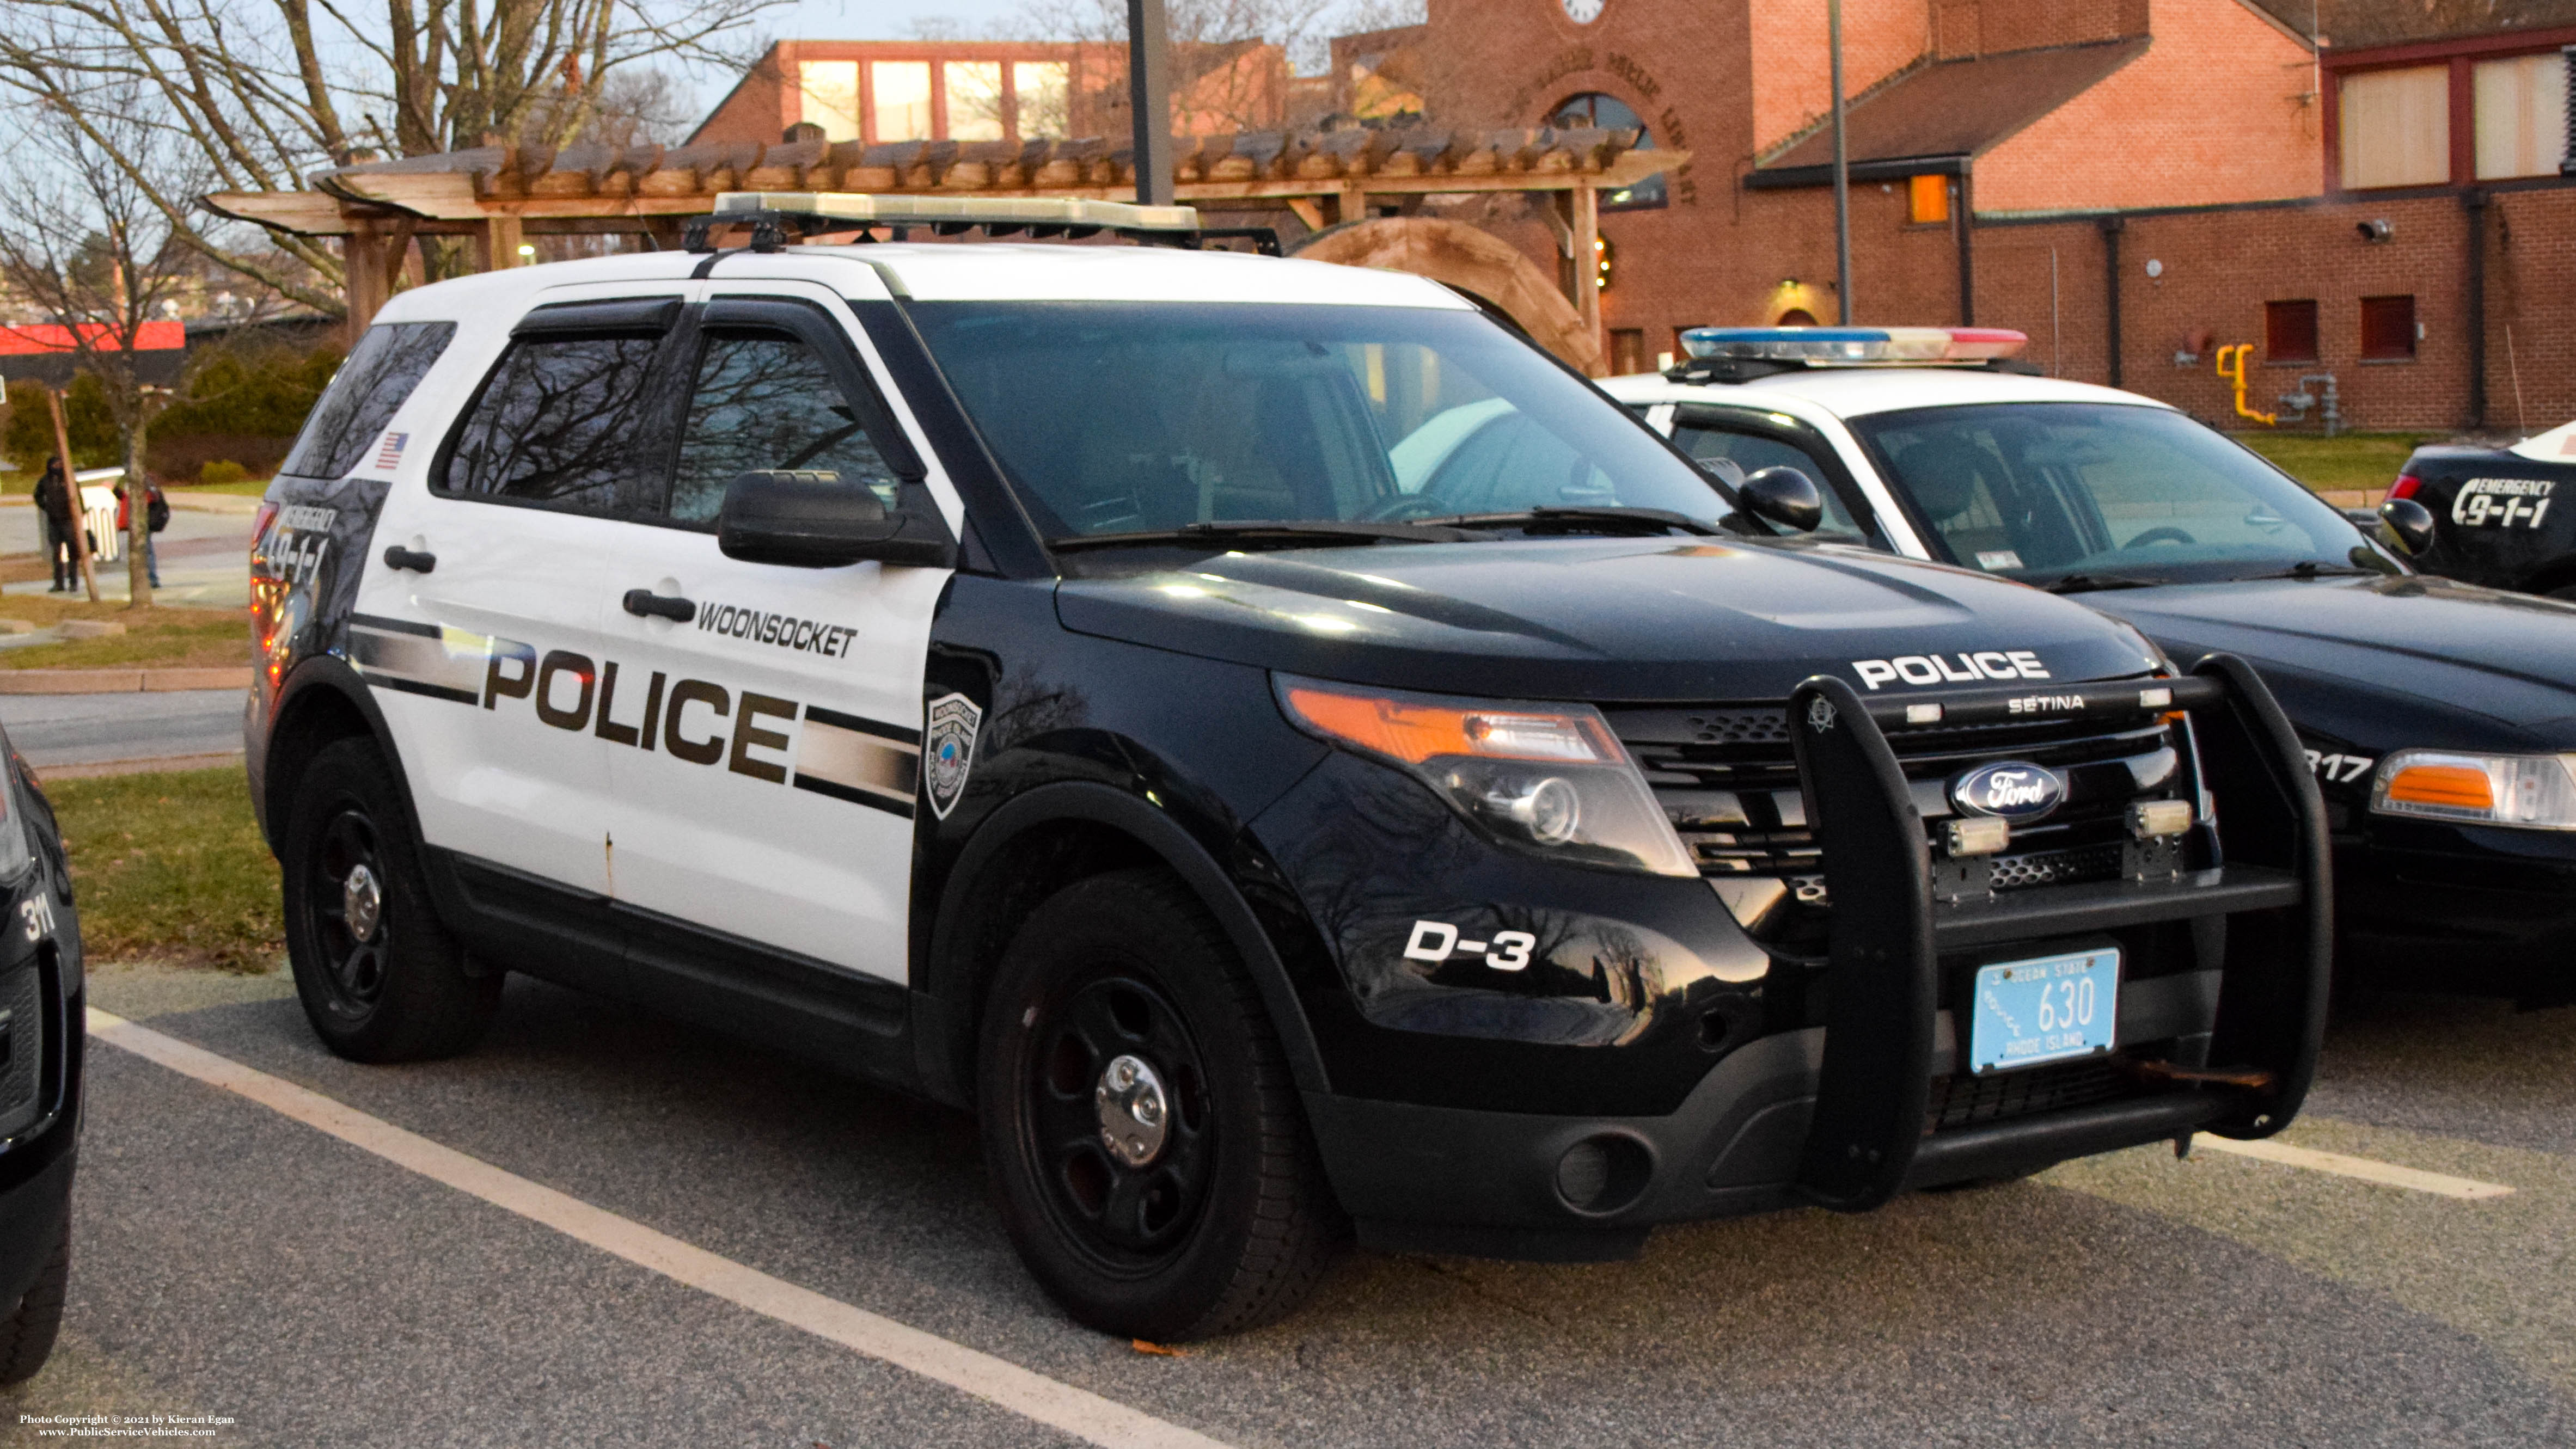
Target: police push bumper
1880, 1095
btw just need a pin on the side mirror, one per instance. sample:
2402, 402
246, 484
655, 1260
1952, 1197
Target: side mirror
2407, 524
813, 520
1784, 496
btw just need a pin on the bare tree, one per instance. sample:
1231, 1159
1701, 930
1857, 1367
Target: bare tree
1217, 73
83, 244
259, 92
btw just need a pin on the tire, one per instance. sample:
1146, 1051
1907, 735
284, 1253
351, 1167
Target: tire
1228, 1223
397, 991
27, 1334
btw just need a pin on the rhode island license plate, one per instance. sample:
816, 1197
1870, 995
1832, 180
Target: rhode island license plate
2046, 1010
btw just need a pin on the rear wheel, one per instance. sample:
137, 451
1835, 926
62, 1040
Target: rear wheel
1143, 1133
380, 977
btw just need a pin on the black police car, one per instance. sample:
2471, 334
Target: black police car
2438, 717
2501, 517
42, 1037
1089, 684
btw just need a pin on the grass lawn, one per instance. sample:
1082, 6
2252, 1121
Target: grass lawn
171, 868
2351, 460
14, 483
154, 638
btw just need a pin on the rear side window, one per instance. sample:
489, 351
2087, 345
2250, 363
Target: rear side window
371, 385
562, 421
766, 401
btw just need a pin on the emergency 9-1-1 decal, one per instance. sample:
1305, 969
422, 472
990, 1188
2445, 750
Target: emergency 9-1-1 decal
695, 721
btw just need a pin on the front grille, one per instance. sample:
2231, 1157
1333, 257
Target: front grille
1727, 778
22, 1078
1967, 1101
2057, 867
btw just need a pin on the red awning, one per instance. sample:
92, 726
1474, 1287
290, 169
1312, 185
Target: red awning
40, 338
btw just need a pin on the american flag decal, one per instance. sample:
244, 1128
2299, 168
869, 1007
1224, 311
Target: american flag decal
393, 449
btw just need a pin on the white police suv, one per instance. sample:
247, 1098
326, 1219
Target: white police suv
1289, 755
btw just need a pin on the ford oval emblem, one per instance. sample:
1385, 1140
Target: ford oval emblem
2013, 790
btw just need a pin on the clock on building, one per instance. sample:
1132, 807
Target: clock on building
1582, 12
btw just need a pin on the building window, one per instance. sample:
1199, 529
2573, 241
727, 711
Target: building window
2290, 331
974, 100
902, 101
831, 96
2522, 116
1927, 199
2387, 328
1627, 350
2396, 127
1610, 113
1039, 88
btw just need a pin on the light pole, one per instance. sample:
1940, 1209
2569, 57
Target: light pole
1149, 93
1842, 165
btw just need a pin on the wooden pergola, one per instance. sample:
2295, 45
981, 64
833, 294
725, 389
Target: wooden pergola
500, 195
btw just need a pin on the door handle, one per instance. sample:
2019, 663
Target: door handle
644, 604
399, 557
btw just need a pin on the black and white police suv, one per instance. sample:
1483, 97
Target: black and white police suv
2439, 718
1084, 683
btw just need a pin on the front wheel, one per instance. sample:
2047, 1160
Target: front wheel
27, 1333
1139, 1120
380, 977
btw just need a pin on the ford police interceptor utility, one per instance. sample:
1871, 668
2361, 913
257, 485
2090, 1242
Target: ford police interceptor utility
43, 1038
2439, 718
1050, 678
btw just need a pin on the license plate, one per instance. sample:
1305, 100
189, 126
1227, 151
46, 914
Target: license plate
2044, 1010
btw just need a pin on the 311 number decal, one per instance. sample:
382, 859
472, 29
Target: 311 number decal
38, 912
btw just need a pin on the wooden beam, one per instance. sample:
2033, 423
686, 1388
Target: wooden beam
362, 268
1309, 211
1585, 223
497, 245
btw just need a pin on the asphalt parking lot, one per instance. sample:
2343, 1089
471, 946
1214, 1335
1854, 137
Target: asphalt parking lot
235, 1261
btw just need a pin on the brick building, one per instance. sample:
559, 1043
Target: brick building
886, 91
2175, 174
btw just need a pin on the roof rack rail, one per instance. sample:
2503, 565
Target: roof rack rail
777, 218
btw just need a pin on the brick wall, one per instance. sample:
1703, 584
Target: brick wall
2219, 268
2211, 113
1793, 86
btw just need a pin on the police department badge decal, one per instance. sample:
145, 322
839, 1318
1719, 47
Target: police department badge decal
948, 749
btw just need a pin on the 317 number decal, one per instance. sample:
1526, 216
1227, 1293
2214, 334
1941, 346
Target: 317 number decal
2339, 769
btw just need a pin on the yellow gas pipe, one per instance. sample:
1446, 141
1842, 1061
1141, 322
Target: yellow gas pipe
2236, 375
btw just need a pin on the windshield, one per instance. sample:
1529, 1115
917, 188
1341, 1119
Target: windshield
2044, 492
1122, 417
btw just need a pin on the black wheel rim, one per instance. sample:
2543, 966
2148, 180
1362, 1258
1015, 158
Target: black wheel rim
352, 952
1127, 1218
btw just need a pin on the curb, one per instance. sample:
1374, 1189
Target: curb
120, 681
92, 769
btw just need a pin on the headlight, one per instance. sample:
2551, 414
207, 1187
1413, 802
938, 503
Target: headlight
2534, 791
1550, 778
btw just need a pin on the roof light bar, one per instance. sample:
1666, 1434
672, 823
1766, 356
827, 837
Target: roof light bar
1854, 345
862, 207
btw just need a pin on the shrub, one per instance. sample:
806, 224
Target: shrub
222, 470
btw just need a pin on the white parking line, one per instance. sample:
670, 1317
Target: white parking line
1078, 1412
2387, 1174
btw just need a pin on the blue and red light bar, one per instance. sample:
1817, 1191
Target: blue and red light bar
1849, 345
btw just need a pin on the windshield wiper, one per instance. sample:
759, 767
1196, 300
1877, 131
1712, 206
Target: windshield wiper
1582, 520
1273, 534
2308, 568
2087, 583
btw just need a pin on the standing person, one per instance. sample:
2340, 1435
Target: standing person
54, 506
156, 516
